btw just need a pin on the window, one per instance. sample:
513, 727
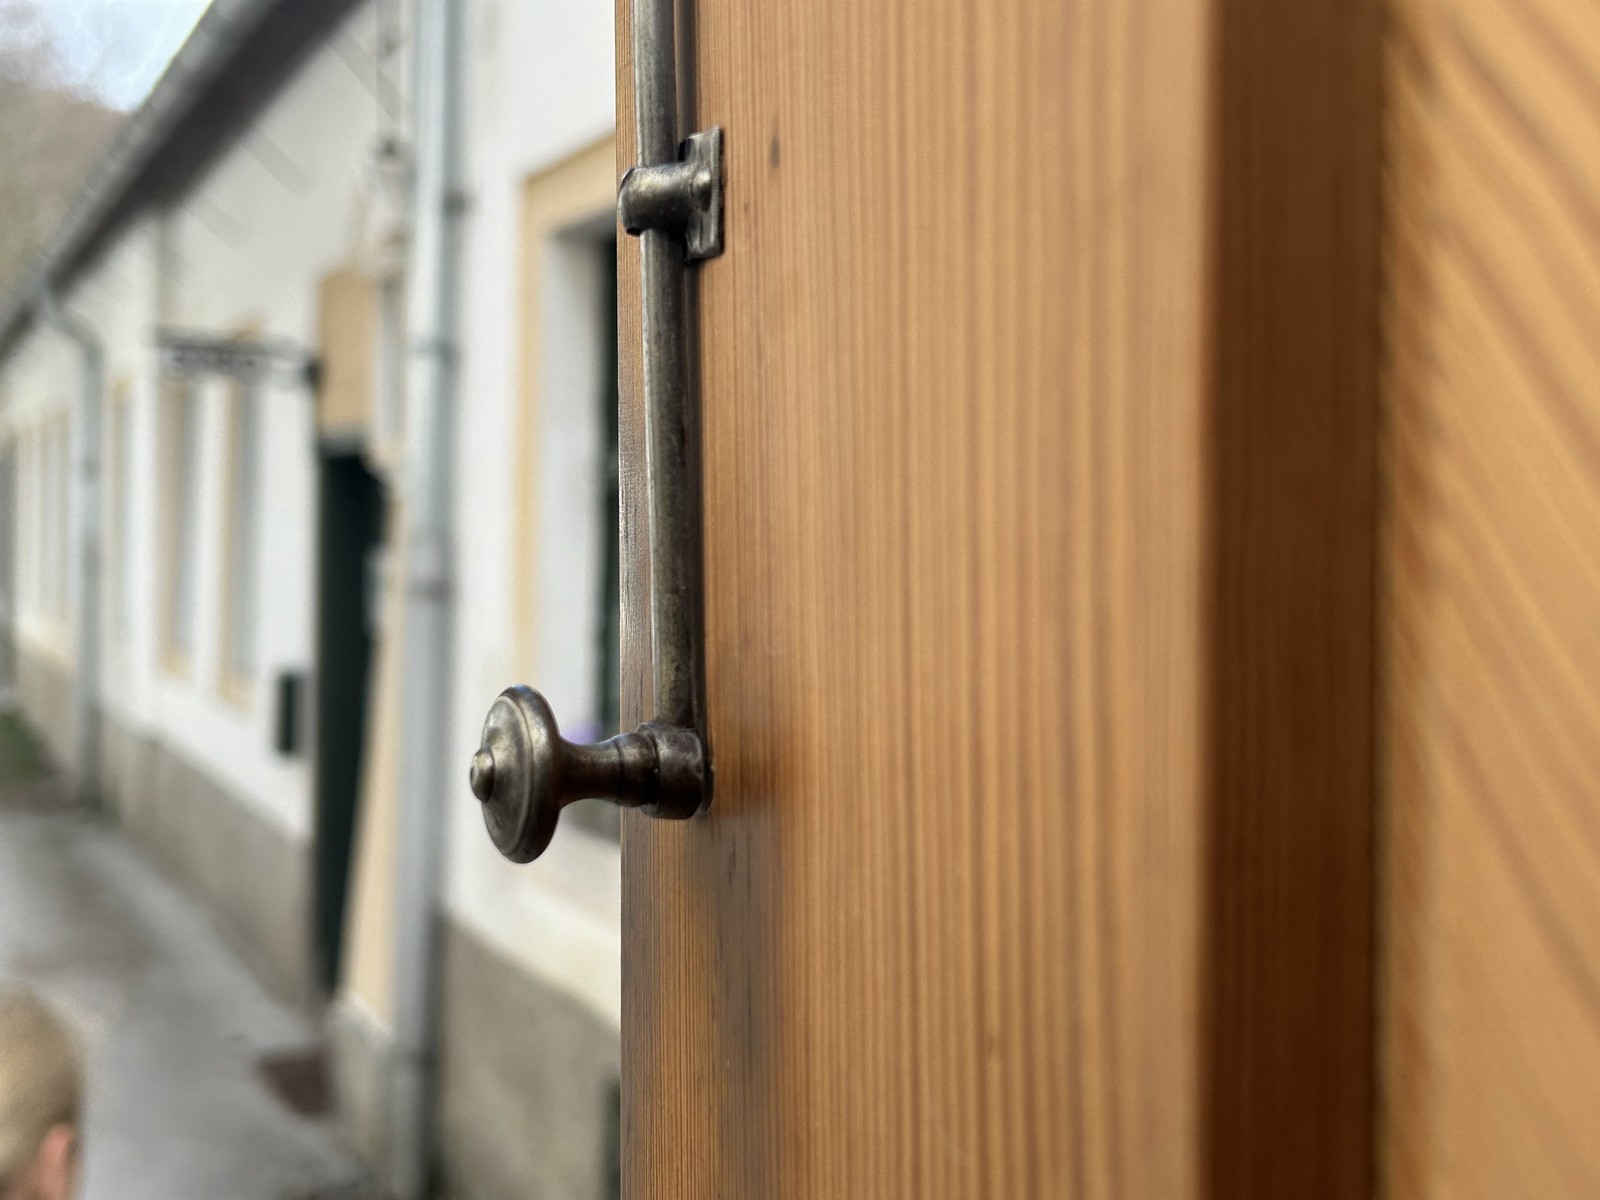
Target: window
239, 584
56, 534
182, 500
63, 512
28, 560
38, 526
28, 512
567, 616
593, 286
47, 550
608, 650
389, 427
119, 496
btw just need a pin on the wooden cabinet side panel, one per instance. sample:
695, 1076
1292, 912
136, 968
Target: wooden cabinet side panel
1039, 412
938, 937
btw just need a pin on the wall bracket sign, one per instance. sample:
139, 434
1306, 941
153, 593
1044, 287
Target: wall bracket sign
185, 353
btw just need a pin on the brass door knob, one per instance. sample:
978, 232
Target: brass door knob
525, 772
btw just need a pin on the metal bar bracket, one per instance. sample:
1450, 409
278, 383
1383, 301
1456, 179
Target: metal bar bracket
525, 772
682, 198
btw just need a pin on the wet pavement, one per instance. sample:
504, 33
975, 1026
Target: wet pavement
176, 1029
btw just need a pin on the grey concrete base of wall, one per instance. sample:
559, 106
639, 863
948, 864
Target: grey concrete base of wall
128, 772
528, 1083
44, 689
253, 875
360, 1063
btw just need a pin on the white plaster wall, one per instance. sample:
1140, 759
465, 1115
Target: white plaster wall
244, 249
44, 379
540, 87
118, 300
247, 247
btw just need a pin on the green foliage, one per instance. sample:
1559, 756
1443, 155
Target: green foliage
50, 135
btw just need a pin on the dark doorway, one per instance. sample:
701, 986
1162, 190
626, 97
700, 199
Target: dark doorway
350, 527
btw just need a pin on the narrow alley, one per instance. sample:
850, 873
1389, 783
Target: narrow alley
180, 1039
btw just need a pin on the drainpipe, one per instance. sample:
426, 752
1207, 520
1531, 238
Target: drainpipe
433, 267
86, 685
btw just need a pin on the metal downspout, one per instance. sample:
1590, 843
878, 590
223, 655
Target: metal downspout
433, 264
86, 682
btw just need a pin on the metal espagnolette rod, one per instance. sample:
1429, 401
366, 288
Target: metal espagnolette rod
525, 772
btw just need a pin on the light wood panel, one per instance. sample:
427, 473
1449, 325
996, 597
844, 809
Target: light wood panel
1039, 403
1493, 996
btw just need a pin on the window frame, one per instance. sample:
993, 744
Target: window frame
182, 404
58, 437
566, 208
241, 486
117, 503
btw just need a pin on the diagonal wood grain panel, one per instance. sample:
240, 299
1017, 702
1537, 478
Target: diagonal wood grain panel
1493, 996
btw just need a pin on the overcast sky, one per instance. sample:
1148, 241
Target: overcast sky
118, 48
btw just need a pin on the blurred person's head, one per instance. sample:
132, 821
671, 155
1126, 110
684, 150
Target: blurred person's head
41, 1093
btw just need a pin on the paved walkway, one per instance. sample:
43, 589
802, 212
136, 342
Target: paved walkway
174, 1025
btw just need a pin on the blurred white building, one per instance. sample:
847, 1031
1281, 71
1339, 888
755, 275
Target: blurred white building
207, 391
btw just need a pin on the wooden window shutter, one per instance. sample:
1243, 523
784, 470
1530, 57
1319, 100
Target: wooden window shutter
347, 344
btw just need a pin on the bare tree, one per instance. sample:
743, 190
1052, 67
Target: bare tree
51, 133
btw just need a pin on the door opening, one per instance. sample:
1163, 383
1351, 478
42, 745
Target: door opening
350, 528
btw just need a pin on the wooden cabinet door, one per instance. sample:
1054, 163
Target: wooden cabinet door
1038, 385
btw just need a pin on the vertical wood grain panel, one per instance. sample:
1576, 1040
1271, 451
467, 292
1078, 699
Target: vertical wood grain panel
1493, 995
938, 938
1039, 403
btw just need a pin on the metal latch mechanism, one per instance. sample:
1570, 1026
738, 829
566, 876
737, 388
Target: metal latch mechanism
682, 199
525, 772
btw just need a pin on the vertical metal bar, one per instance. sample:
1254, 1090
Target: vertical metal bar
669, 419
655, 81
